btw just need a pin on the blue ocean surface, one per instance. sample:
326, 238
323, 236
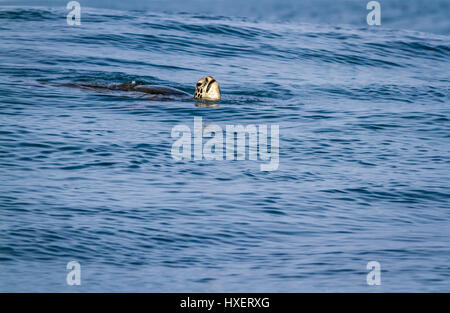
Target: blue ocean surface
364, 147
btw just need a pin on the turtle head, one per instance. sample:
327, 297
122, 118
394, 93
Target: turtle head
207, 88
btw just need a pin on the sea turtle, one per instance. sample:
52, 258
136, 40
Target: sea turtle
207, 88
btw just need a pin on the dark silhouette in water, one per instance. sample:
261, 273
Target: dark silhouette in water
207, 88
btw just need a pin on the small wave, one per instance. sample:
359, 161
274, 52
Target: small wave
28, 14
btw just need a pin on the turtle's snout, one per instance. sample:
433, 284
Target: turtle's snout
207, 88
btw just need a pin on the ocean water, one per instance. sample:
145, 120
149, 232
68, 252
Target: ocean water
364, 142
